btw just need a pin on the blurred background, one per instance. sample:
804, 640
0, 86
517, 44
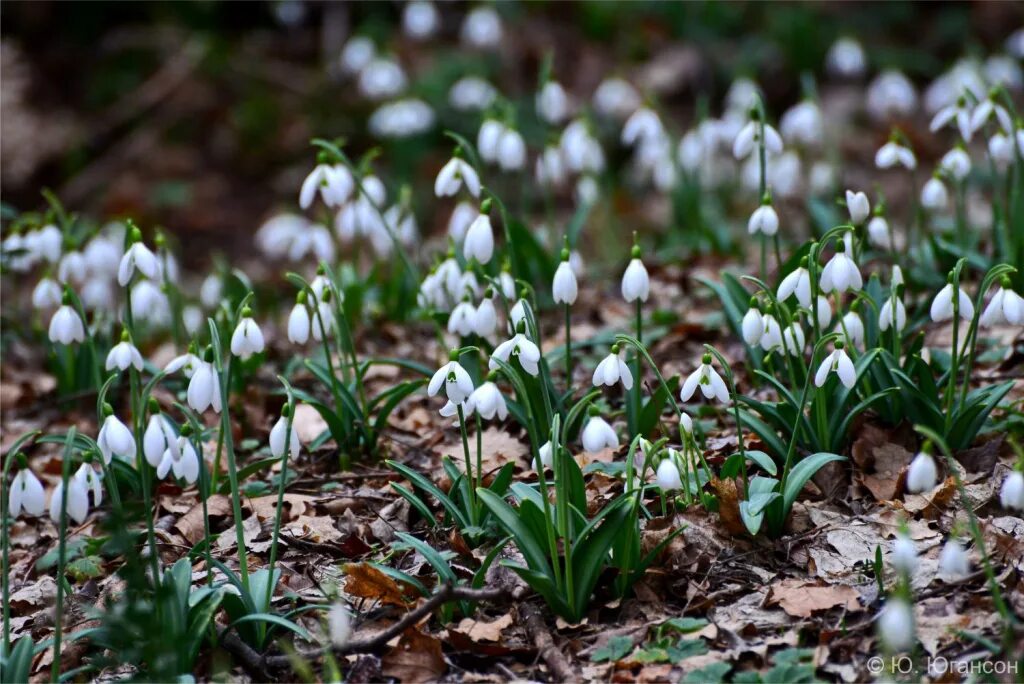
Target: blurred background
197, 116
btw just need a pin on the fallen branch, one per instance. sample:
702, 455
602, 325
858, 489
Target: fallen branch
561, 670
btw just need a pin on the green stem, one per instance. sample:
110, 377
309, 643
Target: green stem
58, 616
280, 498
229, 449
469, 463
636, 366
568, 349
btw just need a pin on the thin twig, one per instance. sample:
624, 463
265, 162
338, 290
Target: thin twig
561, 670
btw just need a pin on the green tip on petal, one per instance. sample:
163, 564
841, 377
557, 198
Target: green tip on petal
706, 359
453, 355
246, 312
108, 410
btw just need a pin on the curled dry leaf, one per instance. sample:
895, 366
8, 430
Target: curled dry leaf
800, 598
365, 581
416, 658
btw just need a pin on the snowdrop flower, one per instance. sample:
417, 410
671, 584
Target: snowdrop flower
893, 154
616, 98
521, 347
859, 207
891, 94
956, 163
667, 475
102, 256
839, 363
642, 126
279, 435
339, 624
853, 329
77, 501
549, 168
322, 322
710, 383
922, 475
743, 94
587, 191
115, 439
878, 232
420, 19
482, 28
1000, 149
138, 257
72, 268
471, 93
247, 338
298, 321
942, 305
752, 326
381, 79
517, 314
123, 355
181, 458
794, 339
487, 401
485, 319
66, 326
798, 282
456, 381
749, 137
612, 369
598, 434
479, 242
771, 333
846, 58
452, 177
46, 243
1006, 306
334, 182
824, 312
91, 481
46, 295
904, 555
401, 119
461, 319
511, 152
1012, 493
488, 138
26, 493
564, 289
358, 52
957, 114
150, 303
210, 291
802, 124
892, 314
204, 388
933, 195
896, 625
544, 455
987, 109
636, 284
187, 363
552, 103
158, 438
764, 220
841, 273
953, 561
460, 220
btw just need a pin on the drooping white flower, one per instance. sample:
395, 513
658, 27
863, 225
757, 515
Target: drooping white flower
616, 98
122, 355
794, 339
357, 53
953, 561
612, 369
471, 93
77, 501
181, 459
764, 220
334, 182
115, 439
487, 401
299, 324
904, 555
1005, 307
402, 118
1011, 495
521, 347
544, 455
564, 288
461, 319
481, 28
204, 388
636, 284
846, 58
824, 312
72, 268
381, 79
958, 114
26, 493
839, 362
892, 314
511, 152
278, 437
802, 124
956, 163
598, 435
420, 19
455, 380
479, 242
66, 326
942, 305
922, 475
46, 243
858, 206
485, 319
893, 154
642, 125
771, 333
339, 623
853, 329
749, 138
934, 196
798, 282
752, 326
1000, 149
988, 109
710, 383
552, 103
452, 177
896, 625
138, 257
158, 438
878, 232
462, 217
841, 273
150, 303
667, 476
187, 363
247, 338
46, 295
891, 94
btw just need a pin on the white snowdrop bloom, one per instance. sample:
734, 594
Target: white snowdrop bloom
322, 321
878, 232
749, 138
956, 163
957, 114
479, 242
138, 257
471, 93
839, 363
1000, 149
1015, 43
934, 196
643, 125
468, 284
841, 273
942, 305
247, 338
764, 220
452, 177
890, 95
824, 312
798, 282
358, 52
487, 401
846, 58
896, 625
922, 475
511, 150
953, 561
903, 557
1011, 495
893, 154
485, 320
47, 242
278, 437
693, 154
710, 383
382, 78
667, 476
616, 98
210, 291
743, 94
73, 268
182, 460
520, 347
299, 323
66, 327
150, 303
92, 481
989, 109
158, 438
549, 169
26, 493
102, 256
339, 624
858, 206
892, 314
822, 178
18, 262
77, 501
598, 435
897, 275
401, 119
460, 220
544, 454
802, 124
334, 183
771, 333
487, 139
794, 339
1006, 306
636, 283
481, 28
581, 151
455, 380
552, 103
852, 328
785, 174
115, 439
1004, 70
46, 294
276, 235
564, 289
204, 388
122, 355
587, 190
507, 284
462, 318
420, 19
611, 370
193, 319
752, 326
517, 314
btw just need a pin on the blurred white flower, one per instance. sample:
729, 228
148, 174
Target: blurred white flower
357, 53
420, 19
552, 103
482, 28
922, 475
890, 95
401, 119
846, 58
471, 93
802, 124
66, 326
616, 98
381, 79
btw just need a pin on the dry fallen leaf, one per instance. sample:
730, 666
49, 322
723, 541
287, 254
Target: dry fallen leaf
479, 630
800, 598
729, 505
365, 581
191, 524
416, 658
